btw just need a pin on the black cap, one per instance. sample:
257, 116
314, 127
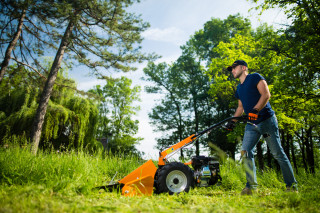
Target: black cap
236, 63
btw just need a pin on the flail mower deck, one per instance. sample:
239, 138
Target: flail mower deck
174, 177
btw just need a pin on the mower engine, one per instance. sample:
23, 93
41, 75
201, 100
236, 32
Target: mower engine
206, 171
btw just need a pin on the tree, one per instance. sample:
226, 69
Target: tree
11, 45
194, 85
98, 34
26, 30
167, 116
204, 43
254, 49
299, 80
215, 31
115, 115
186, 107
187, 85
71, 120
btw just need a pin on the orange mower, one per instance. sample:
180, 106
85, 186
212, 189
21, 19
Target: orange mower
173, 177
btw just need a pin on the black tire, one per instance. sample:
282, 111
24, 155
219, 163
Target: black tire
174, 178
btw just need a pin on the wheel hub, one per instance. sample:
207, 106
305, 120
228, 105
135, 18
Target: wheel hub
176, 181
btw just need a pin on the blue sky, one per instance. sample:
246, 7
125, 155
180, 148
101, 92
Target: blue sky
172, 23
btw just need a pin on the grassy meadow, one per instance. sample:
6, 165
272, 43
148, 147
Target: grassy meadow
65, 182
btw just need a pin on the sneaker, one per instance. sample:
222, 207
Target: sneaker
246, 191
292, 188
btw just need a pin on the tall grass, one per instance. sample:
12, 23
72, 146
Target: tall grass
64, 182
62, 172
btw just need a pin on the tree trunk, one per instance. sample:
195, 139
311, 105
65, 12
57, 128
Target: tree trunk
269, 157
12, 44
196, 115
312, 154
260, 156
286, 143
309, 150
180, 130
47, 90
302, 148
294, 160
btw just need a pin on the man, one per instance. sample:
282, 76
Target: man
253, 98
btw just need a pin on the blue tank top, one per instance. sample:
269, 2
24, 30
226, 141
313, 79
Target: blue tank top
249, 95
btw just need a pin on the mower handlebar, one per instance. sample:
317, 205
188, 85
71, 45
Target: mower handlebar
165, 154
243, 117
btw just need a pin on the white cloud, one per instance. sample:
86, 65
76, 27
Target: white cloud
89, 84
171, 35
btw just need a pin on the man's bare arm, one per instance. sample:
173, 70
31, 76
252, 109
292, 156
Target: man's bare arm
265, 95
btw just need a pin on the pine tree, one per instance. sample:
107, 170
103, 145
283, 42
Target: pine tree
98, 34
25, 32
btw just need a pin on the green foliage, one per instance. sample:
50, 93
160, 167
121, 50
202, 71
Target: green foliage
116, 108
104, 35
71, 120
107, 31
25, 32
185, 103
168, 116
296, 86
215, 31
98, 34
214, 45
17, 102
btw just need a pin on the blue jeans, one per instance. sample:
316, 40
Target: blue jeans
269, 129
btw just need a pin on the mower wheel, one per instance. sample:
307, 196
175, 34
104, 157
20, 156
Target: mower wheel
174, 178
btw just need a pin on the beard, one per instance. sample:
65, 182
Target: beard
237, 75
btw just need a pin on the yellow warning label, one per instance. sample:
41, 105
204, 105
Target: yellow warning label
169, 151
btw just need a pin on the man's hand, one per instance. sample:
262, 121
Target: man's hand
230, 125
253, 115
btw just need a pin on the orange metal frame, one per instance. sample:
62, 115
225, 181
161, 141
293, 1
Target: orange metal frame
174, 148
140, 181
